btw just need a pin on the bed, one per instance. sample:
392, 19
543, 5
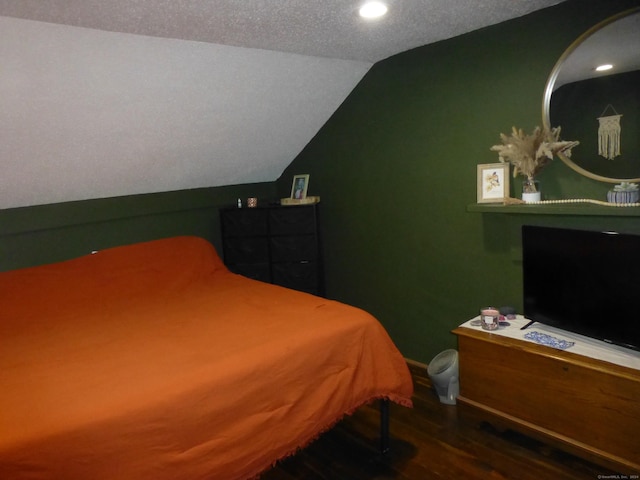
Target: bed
154, 361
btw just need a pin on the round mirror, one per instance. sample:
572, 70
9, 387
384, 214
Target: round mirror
600, 109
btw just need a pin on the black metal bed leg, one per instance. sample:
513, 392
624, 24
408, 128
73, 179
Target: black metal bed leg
384, 426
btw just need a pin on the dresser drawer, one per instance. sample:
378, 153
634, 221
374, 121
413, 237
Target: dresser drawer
292, 221
300, 276
275, 244
246, 250
244, 221
294, 248
257, 271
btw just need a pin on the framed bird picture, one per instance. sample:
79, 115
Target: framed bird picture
493, 182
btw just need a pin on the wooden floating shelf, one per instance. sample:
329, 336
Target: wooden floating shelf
555, 209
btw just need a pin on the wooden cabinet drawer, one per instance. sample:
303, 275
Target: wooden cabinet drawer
587, 405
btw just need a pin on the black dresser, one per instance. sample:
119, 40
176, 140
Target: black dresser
274, 244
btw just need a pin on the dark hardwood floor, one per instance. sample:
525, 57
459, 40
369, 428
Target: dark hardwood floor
431, 440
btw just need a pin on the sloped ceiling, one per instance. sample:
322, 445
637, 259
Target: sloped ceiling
102, 98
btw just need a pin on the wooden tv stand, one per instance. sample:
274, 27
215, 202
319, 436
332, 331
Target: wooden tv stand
585, 406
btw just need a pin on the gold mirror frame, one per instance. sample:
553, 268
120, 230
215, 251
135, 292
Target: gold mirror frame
548, 91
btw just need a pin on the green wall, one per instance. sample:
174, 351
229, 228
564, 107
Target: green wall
49, 233
396, 169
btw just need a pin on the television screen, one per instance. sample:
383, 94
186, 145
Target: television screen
586, 282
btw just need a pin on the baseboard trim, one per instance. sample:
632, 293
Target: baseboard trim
416, 368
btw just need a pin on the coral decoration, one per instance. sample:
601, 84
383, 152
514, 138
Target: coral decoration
530, 153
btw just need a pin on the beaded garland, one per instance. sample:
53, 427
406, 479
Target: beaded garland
512, 201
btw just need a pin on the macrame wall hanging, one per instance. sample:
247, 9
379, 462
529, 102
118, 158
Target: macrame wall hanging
609, 134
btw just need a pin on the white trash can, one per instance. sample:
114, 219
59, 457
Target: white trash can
443, 372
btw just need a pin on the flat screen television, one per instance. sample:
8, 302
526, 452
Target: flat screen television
587, 282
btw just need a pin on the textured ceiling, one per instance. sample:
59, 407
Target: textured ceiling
326, 28
616, 43
102, 98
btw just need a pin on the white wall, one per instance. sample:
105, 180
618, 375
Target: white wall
90, 114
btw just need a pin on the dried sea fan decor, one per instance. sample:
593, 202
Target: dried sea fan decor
530, 153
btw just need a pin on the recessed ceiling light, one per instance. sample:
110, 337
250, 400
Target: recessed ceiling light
603, 68
373, 10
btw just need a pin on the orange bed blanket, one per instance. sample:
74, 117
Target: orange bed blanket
153, 361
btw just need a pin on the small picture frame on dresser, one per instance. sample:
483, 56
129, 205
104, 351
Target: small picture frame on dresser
493, 182
299, 187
